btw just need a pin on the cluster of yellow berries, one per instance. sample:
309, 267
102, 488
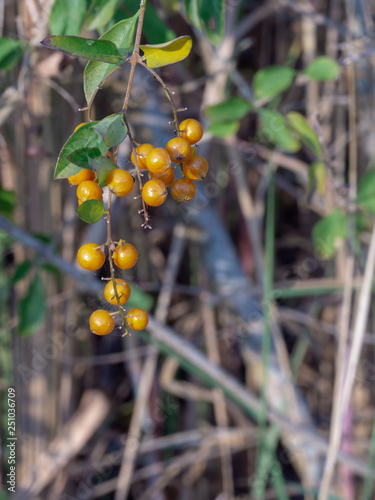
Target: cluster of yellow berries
158, 161
91, 256
180, 150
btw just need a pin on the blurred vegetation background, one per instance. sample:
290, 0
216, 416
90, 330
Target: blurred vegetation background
254, 379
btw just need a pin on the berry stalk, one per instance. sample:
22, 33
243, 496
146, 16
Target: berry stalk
169, 94
139, 175
111, 267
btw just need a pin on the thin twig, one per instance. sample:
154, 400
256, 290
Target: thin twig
60, 90
144, 210
169, 95
336, 420
135, 55
359, 324
111, 266
338, 410
149, 367
220, 409
247, 207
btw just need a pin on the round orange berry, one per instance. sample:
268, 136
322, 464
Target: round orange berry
123, 292
142, 152
195, 168
158, 160
167, 176
183, 190
83, 175
101, 322
120, 182
191, 130
137, 319
88, 190
154, 192
125, 255
179, 149
90, 256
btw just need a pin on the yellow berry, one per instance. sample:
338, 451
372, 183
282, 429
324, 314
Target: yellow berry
137, 319
195, 168
142, 152
191, 130
123, 292
183, 190
179, 149
167, 176
83, 175
120, 182
101, 322
158, 160
90, 256
125, 255
88, 190
154, 192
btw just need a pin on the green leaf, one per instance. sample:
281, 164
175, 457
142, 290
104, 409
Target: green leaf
88, 48
112, 129
8, 201
193, 13
274, 130
21, 271
122, 35
102, 13
366, 191
317, 177
305, 132
163, 54
10, 52
234, 108
102, 167
91, 211
212, 13
328, 232
82, 157
32, 307
323, 68
271, 81
84, 137
223, 129
67, 16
